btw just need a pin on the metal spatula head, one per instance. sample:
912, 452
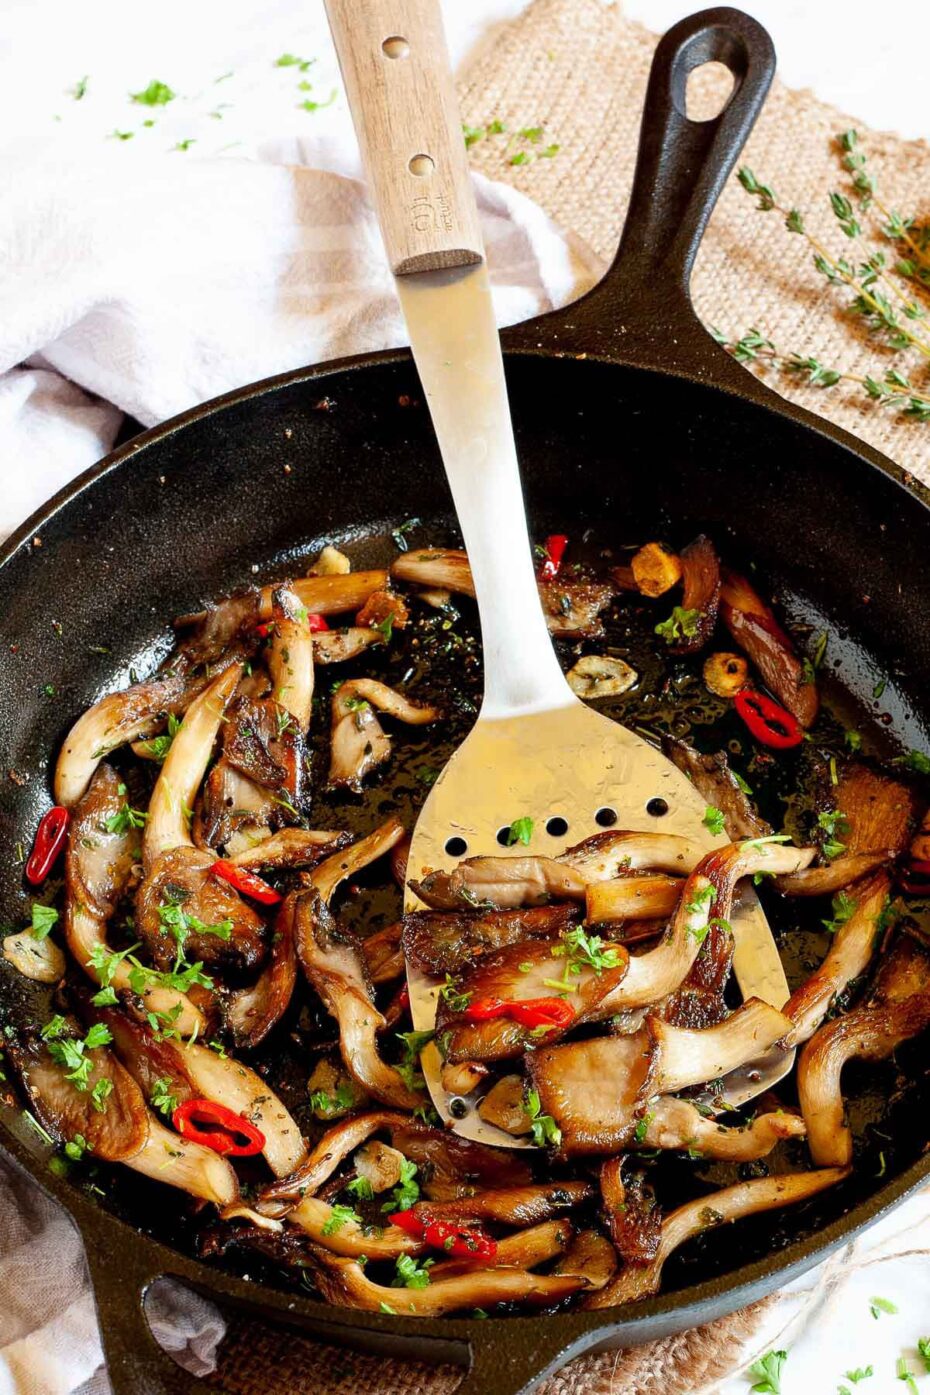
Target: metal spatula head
570, 770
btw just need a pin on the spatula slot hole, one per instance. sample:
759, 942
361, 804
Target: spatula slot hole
657, 807
556, 827
503, 836
606, 817
456, 847
458, 1108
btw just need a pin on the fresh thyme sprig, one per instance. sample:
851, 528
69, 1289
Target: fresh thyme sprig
894, 389
870, 303
895, 227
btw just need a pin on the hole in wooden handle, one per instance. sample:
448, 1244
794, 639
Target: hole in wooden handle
395, 47
421, 165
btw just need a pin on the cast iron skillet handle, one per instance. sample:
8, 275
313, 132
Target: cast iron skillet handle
642, 306
512, 1358
136, 1364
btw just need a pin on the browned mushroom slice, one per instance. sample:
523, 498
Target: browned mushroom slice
335, 1232
348, 861
319, 1165
700, 1001
329, 595
573, 608
263, 742
292, 847
451, 1167
848, 956
633, 1219
592, 1256
106, 1108
499, 883
235, 814
525, 1249
113, 721
290, 656
647, 896
185, 765
102, 851
717, 1208
179, 1162
429, 566
581, 967
700, 593
504, 1106
714, 781
343, 1281
222, 634
444, 942
707, 896
898, 1008
148, 1057
592, 1089
332, 961
337, 646
358, 741
517, 1206
383, 611
180, 906
252, 1011
687, 1056
671, 1123
754, 628
384, 960
873, 825
615, 853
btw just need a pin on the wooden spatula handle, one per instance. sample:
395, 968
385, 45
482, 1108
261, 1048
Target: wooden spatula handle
398, 80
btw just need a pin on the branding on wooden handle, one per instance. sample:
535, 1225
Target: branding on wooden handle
431, 213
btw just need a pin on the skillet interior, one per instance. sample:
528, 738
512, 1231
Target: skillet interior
184, 516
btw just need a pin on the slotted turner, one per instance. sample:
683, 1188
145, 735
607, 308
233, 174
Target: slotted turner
535, 751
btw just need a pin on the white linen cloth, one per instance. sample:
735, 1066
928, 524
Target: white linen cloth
140, 277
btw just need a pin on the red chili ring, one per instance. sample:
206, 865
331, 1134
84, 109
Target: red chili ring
49, 841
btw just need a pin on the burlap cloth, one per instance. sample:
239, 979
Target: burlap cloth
578, 69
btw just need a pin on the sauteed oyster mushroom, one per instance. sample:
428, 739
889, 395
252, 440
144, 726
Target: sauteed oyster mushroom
226, 1009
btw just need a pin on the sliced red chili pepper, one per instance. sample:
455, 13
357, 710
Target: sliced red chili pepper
555, 551
264, 629
529, 1012
403, 999
49, 841
317, 623
767, 720
914, 879
225, 1132
460, 1241
246, 882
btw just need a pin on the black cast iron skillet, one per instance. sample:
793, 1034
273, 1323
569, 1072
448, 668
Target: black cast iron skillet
629, 418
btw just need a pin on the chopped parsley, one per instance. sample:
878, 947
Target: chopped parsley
322, 1102
385, 628
162, 1098
853, 740
877, 1306
76, 1148
844, 907
860, 1373
340, 1216
917, 761
180, 923
290, 60
407, 1191
903, 1372
543, 1127
44, 919
450, 994
409, 1068
400, 540
157, 94
833, 822
880, 687
585, 951
746, 788
70, 1052
410, 1274
159, 746
923, 1346
767, 1370
714, 821
642, 1128
520, 831
361, 1189
126, 817
681, 624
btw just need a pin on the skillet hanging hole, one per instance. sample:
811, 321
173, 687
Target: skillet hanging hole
456, 847
657, 807
556, 827
421, 165
395, 47
606, 817
708, 91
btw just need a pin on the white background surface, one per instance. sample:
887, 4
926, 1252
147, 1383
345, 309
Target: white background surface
870, 60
